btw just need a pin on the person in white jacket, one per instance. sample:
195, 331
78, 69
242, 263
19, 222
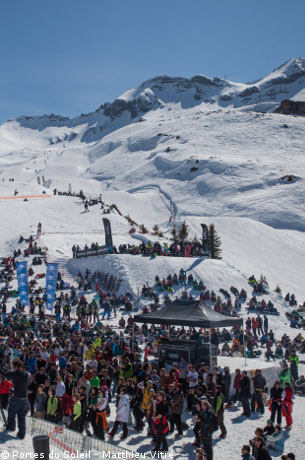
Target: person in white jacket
60, 388
122, 414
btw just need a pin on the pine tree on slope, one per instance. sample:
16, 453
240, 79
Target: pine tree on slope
214, 243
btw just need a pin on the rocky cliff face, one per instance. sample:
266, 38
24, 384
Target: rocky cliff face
289, 107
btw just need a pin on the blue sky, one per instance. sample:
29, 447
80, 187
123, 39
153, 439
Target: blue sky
70, 56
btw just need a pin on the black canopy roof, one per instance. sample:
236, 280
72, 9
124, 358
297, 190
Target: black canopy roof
188, 313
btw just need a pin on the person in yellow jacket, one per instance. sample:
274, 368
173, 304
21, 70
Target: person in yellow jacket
147, 393
90, 353
97, 343
52, 405
126, 369
77, 412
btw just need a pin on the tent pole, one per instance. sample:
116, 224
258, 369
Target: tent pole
132, 337
244, 344
210, 345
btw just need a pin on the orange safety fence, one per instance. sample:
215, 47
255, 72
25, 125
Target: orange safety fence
26, 196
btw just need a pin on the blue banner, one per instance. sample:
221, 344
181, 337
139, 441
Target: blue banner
22, 277
51, 280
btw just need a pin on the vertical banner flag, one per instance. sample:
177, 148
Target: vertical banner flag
22, 277
205, 236
108, 237
51, 280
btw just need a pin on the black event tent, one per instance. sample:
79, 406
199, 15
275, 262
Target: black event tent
188, 313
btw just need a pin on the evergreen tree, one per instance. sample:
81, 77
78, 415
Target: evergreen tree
214, 243
183, 232
174, 233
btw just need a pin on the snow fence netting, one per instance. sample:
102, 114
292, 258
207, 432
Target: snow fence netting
70, 441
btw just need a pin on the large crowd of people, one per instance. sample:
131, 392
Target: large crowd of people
77, 371
77, 380
150, 249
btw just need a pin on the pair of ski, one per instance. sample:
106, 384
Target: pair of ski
111, 283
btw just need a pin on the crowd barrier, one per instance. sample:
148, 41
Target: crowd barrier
91, 252
75, 443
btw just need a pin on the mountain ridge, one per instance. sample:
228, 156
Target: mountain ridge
189, 92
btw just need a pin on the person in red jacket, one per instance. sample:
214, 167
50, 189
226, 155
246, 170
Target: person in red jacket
5, 390
287, 404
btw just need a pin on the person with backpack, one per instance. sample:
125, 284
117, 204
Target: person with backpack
245, 393
177, 409
160, 424
219, 411
259, 385
208, 424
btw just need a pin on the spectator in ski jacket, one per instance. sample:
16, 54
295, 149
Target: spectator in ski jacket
245, 453
300, 385
5, 389
236, 385
294, 362
276, 441
245, 393
126, 369
31, 362
259, 384
207, 426
160, 423
149, 390
52, 405
262, 452
219, 411
40, 404
287, 404
177, 408
284, 375
276, 402
122, 414
77, 412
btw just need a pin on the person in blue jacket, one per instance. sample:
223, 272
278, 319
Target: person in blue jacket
276, 441
31, 362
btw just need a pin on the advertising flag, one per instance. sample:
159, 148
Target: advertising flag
108, 236
22, 277
205, 236
51, 280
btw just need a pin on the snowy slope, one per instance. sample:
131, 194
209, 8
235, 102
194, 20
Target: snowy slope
180, 140
249, 247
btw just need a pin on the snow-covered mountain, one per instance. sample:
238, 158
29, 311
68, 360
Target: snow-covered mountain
209, 146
